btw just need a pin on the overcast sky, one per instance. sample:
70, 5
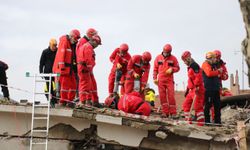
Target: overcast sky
196, 25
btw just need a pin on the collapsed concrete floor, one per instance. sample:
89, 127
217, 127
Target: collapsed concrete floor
111, 129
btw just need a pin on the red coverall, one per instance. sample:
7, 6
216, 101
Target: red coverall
133, 103
195, 80
166, 82
116, 58
134, 67
85, 65
81, 42
62, 65
222, 76
144, 78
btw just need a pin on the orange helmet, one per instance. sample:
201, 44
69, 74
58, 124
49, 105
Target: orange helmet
52, 42
97, 39
217, 54
185, 55
167, 48
146, 56
210, 55
91, 32
123, 47
75, 34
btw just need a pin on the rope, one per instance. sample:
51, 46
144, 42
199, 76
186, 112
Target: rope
18, 89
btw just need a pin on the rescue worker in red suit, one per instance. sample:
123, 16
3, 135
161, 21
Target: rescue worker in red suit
195, 90
89, 34
85, 65
146, 58
133, 103
63, 65
221, 64
222, 76
134, 72
119, 58
165, 65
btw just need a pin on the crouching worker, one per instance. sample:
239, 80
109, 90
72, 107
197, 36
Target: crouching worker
194, 96
133, 103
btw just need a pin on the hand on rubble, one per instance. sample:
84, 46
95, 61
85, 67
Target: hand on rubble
136, 76
156, 82
118, 66
169, 71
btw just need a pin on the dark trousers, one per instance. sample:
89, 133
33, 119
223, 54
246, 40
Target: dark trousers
3, 80
52, 92
212, 98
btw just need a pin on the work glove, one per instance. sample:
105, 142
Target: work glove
136, 76
169, 71
156, 82
118, 66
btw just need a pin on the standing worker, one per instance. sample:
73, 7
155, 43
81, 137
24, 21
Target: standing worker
146, 58
85, 65
119, 58
222, 76
89, 34
165, 65
194, 95
221, 64
63, 65
212, 87
46, 65
3, 80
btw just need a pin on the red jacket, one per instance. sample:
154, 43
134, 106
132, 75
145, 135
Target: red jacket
133, 103
63, 59
224, 74
116, 58
81, 42
144, 79
86, 58
161, 65
195, 76
135, 65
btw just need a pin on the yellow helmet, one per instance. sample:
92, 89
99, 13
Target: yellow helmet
52, 42
210, 55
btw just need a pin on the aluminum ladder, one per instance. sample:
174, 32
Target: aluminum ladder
43, 133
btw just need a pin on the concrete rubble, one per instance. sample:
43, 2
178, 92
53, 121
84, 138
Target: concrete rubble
161, 132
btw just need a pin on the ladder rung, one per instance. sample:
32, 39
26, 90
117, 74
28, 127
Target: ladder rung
41, 118
39, 143
42, 93
42, 80
39, 130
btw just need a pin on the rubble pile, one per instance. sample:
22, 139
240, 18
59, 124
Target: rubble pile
232, 115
